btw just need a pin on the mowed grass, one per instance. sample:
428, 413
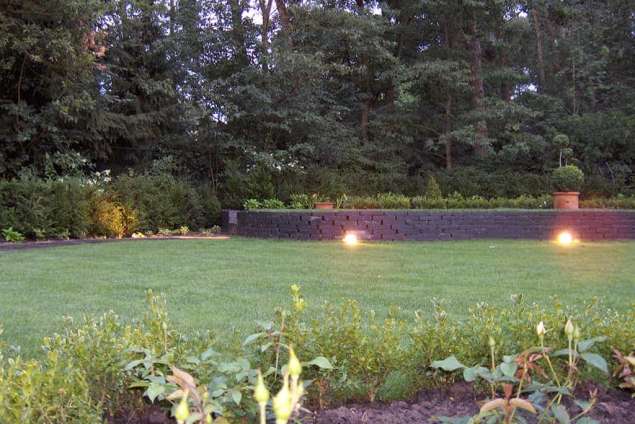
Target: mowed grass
224, 285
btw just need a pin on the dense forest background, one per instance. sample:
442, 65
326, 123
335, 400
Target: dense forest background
264, 98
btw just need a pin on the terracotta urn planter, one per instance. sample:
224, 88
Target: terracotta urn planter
324, 205
566, 199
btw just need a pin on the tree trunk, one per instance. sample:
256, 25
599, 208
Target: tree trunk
238, 33
478, 91
283, 12
539, 49
172, 15
446, 129
364, 120
265, 11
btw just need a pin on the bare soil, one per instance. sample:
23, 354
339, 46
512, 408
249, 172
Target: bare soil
614, 407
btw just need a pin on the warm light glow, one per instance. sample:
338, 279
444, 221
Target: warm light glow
565, 238
350, 239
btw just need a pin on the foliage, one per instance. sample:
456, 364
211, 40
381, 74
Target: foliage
619, 202
11, 235
45, 208
272, 204
318, 96
367, 353
300, 201
216, 229
49, 391
98, 365
111, 219
161, 201
532, 372
568, 178
77, 207
379, 201
433, 191
252, 204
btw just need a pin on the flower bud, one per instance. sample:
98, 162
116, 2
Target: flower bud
261, 394
491, 342
295, 368
568, 329
576, 334
540, 329
282, 403
182, 411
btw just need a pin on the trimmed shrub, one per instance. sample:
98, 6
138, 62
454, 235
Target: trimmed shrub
42, 209
567, 178
379, 201
45, 208
161, 201
619, 202
111, 219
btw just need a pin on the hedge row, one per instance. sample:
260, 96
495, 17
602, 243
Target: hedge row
73, 208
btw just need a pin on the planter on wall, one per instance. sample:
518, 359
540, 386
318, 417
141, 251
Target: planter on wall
324, 205
566, 199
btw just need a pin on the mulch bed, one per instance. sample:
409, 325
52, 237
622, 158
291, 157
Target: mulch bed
56, 243
614, 407
151, 414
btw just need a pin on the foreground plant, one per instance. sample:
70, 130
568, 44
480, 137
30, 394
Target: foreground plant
531, 373
285, 404
625, 370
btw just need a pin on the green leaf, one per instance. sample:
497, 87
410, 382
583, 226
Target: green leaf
321, 362
448, 364
583, 404
561, 414
208, 354
565, 352
470, 374
236, 395
587, 420
252, 338
585, 345
509, 368
154, 390
596, 360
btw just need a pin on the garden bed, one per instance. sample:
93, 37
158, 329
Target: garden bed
4, 245
613, 407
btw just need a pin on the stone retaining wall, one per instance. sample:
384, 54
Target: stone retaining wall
431, 225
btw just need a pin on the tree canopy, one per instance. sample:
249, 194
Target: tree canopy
271, 97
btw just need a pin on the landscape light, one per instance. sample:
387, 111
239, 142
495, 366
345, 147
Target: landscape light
350, 239
565, 238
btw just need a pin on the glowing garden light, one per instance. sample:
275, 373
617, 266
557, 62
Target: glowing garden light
350, 239
565, 238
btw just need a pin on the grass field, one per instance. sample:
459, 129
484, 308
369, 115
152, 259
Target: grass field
224, 285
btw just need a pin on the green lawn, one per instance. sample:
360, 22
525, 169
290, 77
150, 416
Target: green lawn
225, 285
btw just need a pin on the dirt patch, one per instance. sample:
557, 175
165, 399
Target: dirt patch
150, 414
614, 407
